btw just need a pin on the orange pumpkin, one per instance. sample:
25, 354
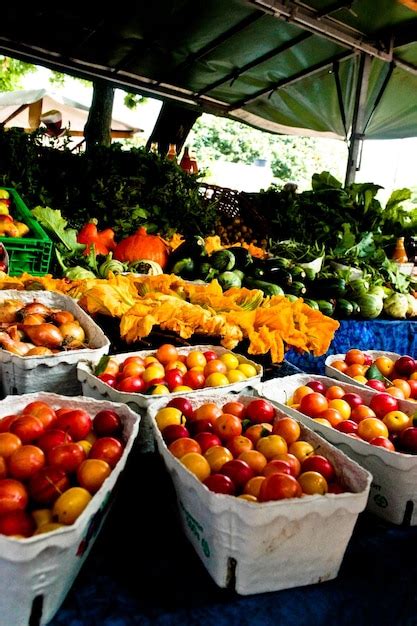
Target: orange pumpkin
140, 246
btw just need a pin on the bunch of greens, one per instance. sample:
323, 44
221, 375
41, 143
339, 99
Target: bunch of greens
70, 257
125, 189
324, 213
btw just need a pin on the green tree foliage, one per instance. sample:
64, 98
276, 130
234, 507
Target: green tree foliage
292, 159
11, 73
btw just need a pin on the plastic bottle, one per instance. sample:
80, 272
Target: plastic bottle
172, 152
400, 255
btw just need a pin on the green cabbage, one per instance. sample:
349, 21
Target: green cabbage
396, 306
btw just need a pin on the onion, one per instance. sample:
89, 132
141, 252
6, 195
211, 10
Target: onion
32, 319
36, 308
62, 317
46, 335
16, 347
39, 351
72, 332
8, 310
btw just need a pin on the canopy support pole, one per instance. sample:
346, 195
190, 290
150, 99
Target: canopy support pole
172, 126
358, 121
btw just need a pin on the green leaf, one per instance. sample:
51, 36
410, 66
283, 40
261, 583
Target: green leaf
324, 181
56, 225
397, 197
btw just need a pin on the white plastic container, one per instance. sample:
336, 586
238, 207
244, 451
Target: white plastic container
36, 573
259, 547
335, 373
56, 373
393, 493
96, 388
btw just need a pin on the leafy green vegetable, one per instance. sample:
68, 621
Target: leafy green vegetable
57, 226
69, 253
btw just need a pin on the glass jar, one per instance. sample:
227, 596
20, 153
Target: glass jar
399, 254
185, 162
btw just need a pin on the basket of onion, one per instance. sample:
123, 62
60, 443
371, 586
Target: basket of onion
43, 335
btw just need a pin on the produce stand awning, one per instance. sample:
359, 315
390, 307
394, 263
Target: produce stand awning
27, 108
284, 66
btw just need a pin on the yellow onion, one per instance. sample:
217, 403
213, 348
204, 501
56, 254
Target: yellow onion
8, 310
46, 335
32, 319
62, 317
39, 351
20, 348
72, 332
36, 308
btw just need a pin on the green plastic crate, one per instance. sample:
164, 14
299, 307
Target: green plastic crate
31, 254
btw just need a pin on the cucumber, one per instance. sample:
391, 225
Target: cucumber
312, 304
297, 288
329, 287
326, 307
298, 273
269, 289
344, 308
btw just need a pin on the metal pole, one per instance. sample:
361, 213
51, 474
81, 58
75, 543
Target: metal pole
358, 121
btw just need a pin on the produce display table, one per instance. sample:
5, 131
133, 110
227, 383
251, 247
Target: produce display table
167, 584
390, 335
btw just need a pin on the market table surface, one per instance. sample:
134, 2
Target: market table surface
142, 570
390, 335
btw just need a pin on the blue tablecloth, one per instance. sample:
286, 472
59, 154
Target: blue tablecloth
167, 585
391, 335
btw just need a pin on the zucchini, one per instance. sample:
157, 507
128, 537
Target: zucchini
240, 274
298, 273
297, 288
228, 280
206, 272
344, 308
329, 287
193, 247
291, 297
275, 275
243, 259
184, 268
326, 307
312, 304
277, 261
310, 273
269, 289
222, 260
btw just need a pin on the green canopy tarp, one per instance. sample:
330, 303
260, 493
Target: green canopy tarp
286, 67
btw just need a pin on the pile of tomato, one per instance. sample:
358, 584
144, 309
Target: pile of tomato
52, 462
395, 376
249, 451
168, 371
379, 422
